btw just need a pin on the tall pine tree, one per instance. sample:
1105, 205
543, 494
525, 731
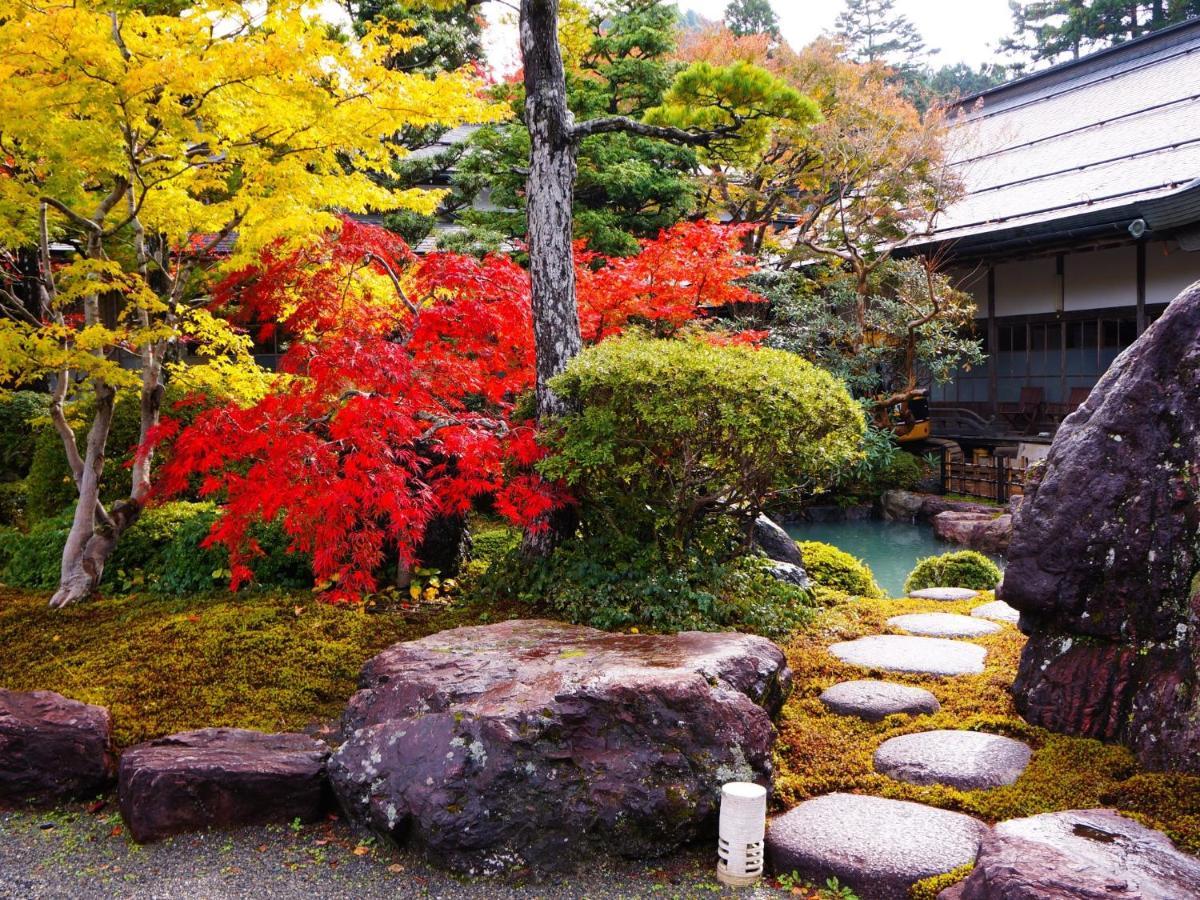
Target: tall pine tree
745, 17
451, 38
1052, 30
873, 31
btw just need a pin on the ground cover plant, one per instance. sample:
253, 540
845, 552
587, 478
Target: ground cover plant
960, 568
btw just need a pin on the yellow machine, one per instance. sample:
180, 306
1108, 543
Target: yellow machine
909, 418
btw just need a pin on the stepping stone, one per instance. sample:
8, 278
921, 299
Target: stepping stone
877, 847
998, 611
918, 655
968, 760
944, 593
947, 625
875, 700
219, 778
1080, 853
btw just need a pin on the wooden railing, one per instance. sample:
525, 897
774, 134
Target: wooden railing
994, 478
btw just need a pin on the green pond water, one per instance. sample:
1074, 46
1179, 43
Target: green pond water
891, 549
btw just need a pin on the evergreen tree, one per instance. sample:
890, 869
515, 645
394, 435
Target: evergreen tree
1048, 30
744, 17
950, 82
873, 31
628, 186
452, 38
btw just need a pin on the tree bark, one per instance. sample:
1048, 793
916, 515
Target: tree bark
549, 192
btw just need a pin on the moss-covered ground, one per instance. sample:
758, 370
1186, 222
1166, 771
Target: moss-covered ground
819, 752
266, 661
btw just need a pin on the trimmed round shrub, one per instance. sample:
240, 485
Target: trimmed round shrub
837, 570
961, 569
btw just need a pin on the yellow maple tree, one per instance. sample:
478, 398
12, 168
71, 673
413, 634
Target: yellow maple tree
138, 154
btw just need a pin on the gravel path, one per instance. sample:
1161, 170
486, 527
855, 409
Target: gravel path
80, 855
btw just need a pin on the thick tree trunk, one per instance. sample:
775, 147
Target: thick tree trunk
549, 190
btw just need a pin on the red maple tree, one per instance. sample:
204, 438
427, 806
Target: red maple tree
399, 385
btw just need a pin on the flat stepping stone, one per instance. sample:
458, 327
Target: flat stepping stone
968, 760
945, 593
877, 847
947, 625
998, 611
917, 655
875, 700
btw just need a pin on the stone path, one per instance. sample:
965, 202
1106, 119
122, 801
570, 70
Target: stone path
881, 847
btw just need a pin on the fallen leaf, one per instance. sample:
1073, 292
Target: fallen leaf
396, 868
117, 830
360, 850
261, 848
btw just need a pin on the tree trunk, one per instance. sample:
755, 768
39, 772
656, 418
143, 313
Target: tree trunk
549, 191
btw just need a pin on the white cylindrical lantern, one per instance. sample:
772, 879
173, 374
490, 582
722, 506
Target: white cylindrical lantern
743, 826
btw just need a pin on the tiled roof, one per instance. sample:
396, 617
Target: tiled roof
1113, 134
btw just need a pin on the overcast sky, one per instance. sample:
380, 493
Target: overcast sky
962, 30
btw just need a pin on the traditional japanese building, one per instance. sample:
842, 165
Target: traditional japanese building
1080, 222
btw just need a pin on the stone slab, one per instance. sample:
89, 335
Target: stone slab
944, 593
917, 655
997, 611
874, 700
877, 847
968, 760
947, 625
1082, 853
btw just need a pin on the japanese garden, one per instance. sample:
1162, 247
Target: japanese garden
599, 448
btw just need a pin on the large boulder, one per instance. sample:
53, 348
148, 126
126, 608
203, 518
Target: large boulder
910, 506
220, 778
776, 543
1086, 854
52, 749
985, 532
1105, 556
534, 743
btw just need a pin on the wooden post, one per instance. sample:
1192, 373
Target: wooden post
993, 340
1141, 287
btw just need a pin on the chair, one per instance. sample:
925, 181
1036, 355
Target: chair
1026, 413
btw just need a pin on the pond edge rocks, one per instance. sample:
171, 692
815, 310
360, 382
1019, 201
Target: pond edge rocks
536, 744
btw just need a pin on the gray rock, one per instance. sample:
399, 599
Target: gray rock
968, 760
944, 593
53, 749
998, 611
790, 574
878, 847
918, 655
776, 543
947, 625
538, 744
221, 778
1088, 854
985, 532
875, 700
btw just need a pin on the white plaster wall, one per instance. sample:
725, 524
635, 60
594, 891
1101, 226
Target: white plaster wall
1100, 279
1169, 270
1025, 287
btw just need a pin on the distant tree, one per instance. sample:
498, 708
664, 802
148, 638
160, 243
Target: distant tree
872, 31
448, 38
744, 17
1048, 30
950, 82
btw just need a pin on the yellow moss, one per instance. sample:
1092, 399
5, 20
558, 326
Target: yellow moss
266, 661
929, 888
819, 752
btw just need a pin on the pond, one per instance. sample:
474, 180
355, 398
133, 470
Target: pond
891, 549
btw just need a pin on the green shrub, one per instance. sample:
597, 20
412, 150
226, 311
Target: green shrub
14, 498
675, 442
18, 411
837, 570
615, 584
962, 569
160, 554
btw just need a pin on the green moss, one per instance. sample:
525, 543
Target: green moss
819, 752
266, 661
837, 570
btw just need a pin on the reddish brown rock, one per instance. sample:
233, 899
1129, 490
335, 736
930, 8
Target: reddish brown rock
1105, 555
52, 749
1091, 854
220, 778
909, 506
533, 743
985, 532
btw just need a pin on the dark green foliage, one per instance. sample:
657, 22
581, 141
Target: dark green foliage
13, 502
616, 583
962, 569
159, 554
452, 38
1047, 30
744, 17
950, 82
883, 466
412, 226
628, 186
18, 432
837, 570
874, 32
679, 443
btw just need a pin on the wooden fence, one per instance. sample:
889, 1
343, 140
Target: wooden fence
994, 478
